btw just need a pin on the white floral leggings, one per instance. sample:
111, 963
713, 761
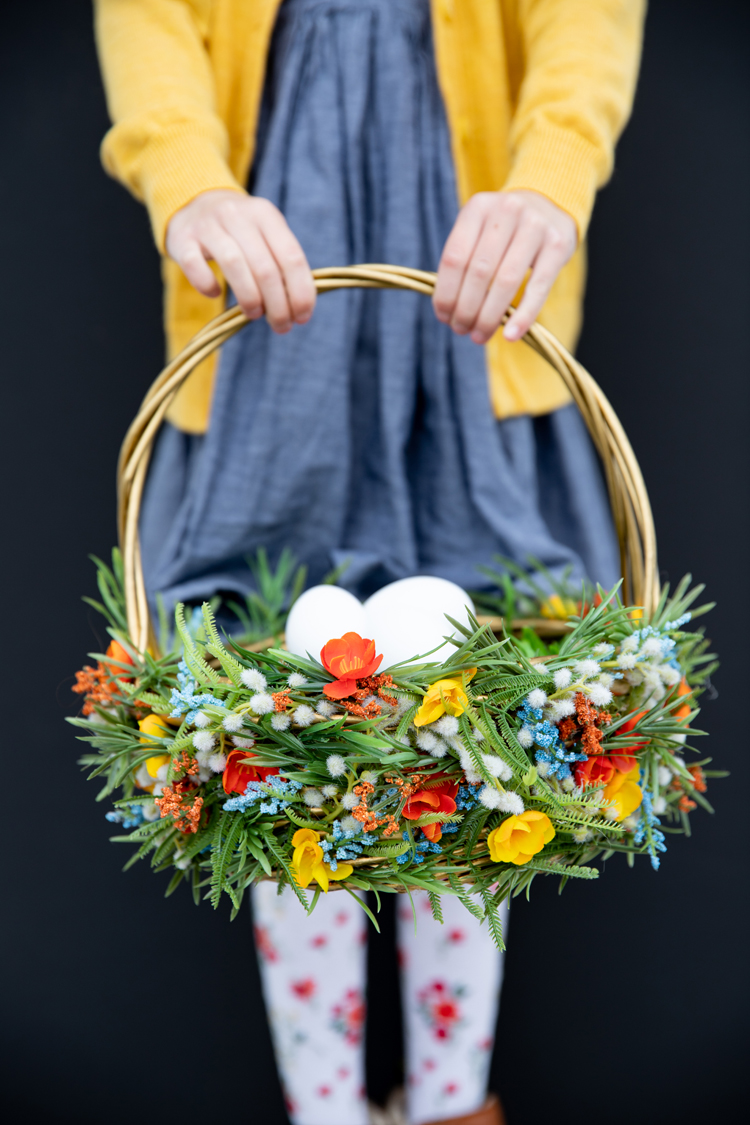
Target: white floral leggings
313, 974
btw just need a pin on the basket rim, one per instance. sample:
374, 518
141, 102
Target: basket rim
631, 509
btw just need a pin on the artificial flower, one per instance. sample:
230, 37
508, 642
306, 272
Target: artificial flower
117, 652
238, 771
519, 838
596, 770
437, 799
348, 659
308, 861
683, 689
152, 727
153, 765
624, 793
444, 697
558, 608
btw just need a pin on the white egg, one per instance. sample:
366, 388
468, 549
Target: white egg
321, 613
407, 618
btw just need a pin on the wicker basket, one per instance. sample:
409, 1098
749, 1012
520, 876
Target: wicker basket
627, 492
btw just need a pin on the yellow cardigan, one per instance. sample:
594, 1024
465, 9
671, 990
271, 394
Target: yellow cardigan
536, 94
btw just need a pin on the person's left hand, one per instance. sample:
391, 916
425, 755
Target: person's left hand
497, 237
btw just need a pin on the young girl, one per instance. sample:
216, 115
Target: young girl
270, 137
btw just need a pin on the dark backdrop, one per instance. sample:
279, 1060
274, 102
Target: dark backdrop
624, 1001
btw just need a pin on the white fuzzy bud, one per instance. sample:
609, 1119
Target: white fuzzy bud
586, 668
202, 720
600, 695
262, 704
536, 698
254, 679
511, 803
562, 678
350, 801
329, 791
447, 725
426, 740
203, 740
369, 777
233, 723
296, 680
313, 798
664, 775
304, 715
217, 763
335, 765
525, 738
280, 721
243, 743
490, 797
497, 767
325, 708
660, 805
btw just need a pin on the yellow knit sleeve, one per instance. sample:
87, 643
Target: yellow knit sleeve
168, 143
580, 67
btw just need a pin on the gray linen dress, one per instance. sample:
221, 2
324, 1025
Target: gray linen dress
367, 434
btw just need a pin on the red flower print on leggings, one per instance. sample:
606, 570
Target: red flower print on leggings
348, 1016
439, 1004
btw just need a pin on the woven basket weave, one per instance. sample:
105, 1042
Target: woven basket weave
627, 492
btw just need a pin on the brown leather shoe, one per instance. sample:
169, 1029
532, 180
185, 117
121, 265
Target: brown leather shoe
491, 1113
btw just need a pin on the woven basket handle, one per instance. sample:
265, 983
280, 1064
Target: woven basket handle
627, 492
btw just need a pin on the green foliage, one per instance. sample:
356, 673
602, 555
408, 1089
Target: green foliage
231, 845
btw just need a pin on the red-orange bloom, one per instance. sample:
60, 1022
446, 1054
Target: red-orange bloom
595, 771
683, 689
348, 658
120, 654
438, 798
237, 773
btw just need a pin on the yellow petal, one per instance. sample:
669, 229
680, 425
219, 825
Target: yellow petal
153, 765
305, 836
432, 708
320, 874
343, 871
153, 726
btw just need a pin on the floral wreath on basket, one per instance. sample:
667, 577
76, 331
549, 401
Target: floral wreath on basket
515, 757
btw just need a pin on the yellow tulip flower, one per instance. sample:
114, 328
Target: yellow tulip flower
444, 696
558, 608
153, 765
153, 726
519, 838
624, 793
308, 861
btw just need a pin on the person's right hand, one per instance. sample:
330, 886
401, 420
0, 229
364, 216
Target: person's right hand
257, 253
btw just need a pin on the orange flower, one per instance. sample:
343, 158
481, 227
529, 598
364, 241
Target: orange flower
238, 772
684, 689
122, 656
437, 799
348, 659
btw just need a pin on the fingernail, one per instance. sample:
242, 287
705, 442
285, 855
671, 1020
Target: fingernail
478, 338
511, 332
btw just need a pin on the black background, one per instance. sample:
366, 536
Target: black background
624, 1001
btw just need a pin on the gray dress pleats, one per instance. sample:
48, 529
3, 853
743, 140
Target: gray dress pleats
367, 434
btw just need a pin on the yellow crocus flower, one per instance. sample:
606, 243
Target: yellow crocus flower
519, 838
153, 726
558, 608
444, 696
308, 861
